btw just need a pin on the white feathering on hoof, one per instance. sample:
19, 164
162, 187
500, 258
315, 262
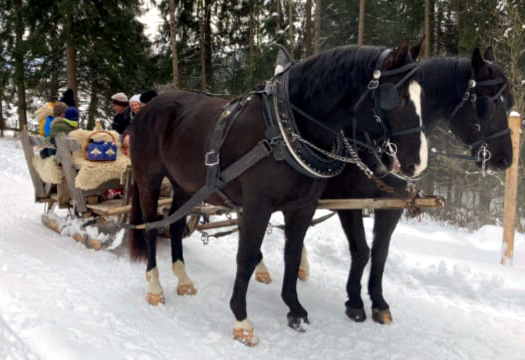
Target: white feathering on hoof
155, 293
185, 286
304, 267
262, 274
243, 331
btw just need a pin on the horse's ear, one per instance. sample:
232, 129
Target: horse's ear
478, 65
489, 54
284, 60
415, 50
397, 57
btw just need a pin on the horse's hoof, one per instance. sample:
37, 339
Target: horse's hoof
263, 277
303, 274
298, 323
186, 289
382, 316
356, 314
245, 336
155, 299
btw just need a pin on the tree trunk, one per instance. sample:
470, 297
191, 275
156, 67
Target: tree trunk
308, 30
70, 52
174, 54
280, 19
426, 44
290, 26
208, 41
93, 105
2, 120
361, 27
202, 37
19, 66
317, 33
251, 46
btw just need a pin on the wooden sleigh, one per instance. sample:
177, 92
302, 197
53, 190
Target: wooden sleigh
99, 223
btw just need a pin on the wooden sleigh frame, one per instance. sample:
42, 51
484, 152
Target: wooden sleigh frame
110, 216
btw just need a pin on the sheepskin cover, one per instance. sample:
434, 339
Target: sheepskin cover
91, 174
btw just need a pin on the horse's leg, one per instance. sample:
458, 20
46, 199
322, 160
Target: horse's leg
352, 223
296, 223
148, 196
261, 273
252, 227
385, 222
304, 267
185, 285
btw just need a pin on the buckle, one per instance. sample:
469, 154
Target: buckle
211, 158
373, 84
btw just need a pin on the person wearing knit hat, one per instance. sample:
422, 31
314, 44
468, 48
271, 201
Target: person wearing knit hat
147, 96
66, 122
71, 113
135, 104
122, 112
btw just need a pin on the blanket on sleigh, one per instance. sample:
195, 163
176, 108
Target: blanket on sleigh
91, 174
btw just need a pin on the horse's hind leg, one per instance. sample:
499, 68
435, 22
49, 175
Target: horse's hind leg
148, 196
352, 222
252, 226
261, 273
297, 222
384, 225
185, 285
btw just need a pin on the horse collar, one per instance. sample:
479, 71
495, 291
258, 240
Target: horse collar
282, 127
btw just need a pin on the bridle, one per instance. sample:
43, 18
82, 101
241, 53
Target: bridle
483, 155
386, 98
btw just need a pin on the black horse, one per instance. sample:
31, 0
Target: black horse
348, 89
473, 96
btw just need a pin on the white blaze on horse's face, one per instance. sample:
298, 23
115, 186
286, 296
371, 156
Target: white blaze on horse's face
414, 91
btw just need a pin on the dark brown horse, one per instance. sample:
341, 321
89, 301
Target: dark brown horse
366, 92
473, 96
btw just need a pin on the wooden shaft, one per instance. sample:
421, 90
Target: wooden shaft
394, 203
511, 191
217, 224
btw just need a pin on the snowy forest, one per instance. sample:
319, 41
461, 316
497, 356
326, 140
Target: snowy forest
227, 47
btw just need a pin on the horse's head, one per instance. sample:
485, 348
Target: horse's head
396, 118
480, 119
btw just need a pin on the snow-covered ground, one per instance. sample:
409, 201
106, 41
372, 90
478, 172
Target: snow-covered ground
450, 298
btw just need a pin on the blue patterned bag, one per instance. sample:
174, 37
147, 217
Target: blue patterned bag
100, 150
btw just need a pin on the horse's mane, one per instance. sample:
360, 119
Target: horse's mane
337, 70
440, 77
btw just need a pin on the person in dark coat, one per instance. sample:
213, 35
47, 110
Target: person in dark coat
68, 98
123, 112
147, 96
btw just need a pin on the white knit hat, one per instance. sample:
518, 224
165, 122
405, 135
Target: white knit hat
135, 98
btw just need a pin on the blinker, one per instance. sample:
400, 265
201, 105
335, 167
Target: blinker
388, 96
485, 108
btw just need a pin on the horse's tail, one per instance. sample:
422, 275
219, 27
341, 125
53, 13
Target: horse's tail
137, 241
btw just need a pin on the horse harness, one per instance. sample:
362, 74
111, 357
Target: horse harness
282, 139
483, 107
